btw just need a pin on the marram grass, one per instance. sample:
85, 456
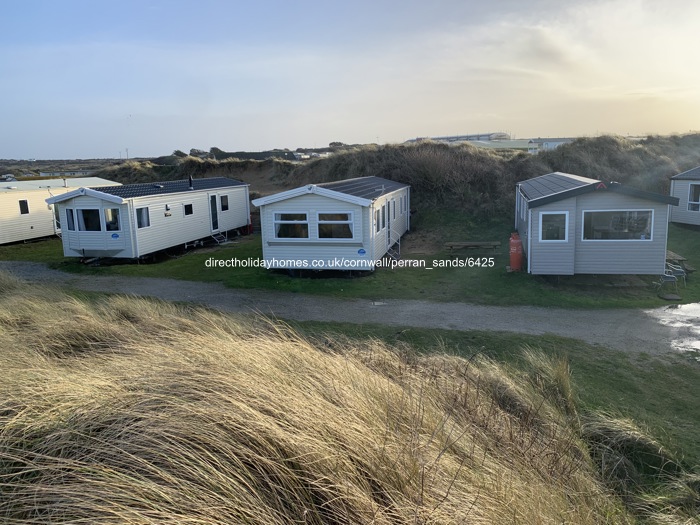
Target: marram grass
124, 410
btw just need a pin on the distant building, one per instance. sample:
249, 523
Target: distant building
24, 214
521, 144
539, 145
499, 135
62, 174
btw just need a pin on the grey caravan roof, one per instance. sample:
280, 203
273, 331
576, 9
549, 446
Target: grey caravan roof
553, 187
693, 174
128, 191
364, 187
557, 186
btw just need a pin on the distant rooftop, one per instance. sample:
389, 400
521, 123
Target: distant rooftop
558, 186
40, 184
128, 191
553, 184
553, 139
364, 187
693, 174
496, 135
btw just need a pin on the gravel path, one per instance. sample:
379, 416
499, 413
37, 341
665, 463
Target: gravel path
654, 331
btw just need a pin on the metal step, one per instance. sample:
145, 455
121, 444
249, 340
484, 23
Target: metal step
219, 238
394, 250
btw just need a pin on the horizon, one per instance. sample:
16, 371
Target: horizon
111, 80
415, 140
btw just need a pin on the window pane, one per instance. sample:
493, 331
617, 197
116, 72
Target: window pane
23, 207
143, 219
70, 219
617, 225
290, 216
694, 193
224, 203
333, 216
694, 198
112, 219
377, 220
89, 220
285, 230
334, 231
553, 227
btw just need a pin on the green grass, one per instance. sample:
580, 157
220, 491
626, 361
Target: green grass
479, 285
47, 250
661, 393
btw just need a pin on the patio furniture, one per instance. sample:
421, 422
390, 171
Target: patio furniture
666, 278
677, 271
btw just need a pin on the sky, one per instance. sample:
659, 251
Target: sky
142, 78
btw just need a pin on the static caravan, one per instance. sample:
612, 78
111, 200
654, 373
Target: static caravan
24, 214
686, 188
134, 220
575, 225
343, 225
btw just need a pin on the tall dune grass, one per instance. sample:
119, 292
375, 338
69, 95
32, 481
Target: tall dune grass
481, 180
124, 410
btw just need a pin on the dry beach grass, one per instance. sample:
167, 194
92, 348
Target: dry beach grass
125, 410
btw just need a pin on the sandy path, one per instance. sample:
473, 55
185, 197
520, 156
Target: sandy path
653, 331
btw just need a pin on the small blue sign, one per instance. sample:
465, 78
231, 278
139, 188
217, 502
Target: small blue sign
361, 251
115, 236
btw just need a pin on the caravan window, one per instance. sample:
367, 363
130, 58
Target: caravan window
291, 226
335, 225
224, 203
23, 207
618, 225
89, 220
694, 197
143, 220
554, 226
112, 219
70, 219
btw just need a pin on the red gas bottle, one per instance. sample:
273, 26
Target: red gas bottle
516, 253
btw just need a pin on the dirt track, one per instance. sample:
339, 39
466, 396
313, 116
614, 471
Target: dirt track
653, 331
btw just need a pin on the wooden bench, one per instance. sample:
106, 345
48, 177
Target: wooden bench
473, 244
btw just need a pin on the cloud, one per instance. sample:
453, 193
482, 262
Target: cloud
539, 68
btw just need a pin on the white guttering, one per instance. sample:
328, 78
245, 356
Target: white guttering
529, 238
133, 226
89, 192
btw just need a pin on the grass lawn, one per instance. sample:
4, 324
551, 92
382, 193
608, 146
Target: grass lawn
659, 393
478, 284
